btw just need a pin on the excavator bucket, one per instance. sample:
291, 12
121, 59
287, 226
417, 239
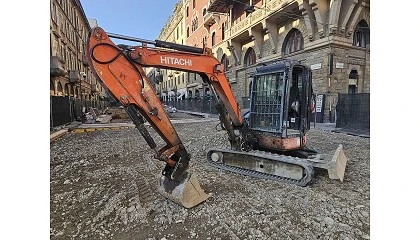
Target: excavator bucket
187, 193
336, 166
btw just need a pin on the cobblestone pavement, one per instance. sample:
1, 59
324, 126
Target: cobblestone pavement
103, 186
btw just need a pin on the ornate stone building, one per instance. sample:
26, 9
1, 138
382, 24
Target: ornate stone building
69, 71
330, 36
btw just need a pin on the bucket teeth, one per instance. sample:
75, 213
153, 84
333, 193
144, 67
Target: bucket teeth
187, 192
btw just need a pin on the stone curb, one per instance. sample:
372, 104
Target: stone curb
54, 136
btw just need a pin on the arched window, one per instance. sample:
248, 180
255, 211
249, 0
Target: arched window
59, 89
293, 41
213, 39
250, 57
225, 62
204, 11
361, 34
188, 31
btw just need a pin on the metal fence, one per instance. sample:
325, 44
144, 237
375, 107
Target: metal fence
64, 110
353, 111
205, 104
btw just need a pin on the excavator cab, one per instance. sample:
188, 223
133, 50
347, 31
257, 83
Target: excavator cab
281, 95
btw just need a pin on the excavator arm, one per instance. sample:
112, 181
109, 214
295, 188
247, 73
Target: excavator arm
120, 69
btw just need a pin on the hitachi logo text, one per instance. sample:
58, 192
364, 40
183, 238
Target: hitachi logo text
175, 61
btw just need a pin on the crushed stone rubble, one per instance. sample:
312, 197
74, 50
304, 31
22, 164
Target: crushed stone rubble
104, 186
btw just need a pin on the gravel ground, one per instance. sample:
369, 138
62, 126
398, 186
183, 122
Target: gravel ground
103, 186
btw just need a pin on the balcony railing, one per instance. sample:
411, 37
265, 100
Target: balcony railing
256, 17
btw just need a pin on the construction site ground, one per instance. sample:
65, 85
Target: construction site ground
103, 186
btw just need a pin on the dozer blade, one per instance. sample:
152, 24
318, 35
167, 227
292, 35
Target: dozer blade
335, 167
340, 163
187, 193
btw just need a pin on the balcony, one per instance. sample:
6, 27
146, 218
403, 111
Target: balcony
220, 6
74, 76
275, 11
209, 19
57, 66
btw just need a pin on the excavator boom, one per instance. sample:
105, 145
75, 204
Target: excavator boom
126, 81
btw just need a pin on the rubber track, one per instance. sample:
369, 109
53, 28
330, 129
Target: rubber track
306, 165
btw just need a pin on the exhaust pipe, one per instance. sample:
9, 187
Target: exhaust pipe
187, 192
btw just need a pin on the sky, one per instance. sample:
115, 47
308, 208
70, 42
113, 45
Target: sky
134, 18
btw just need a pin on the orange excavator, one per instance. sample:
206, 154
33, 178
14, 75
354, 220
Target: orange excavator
268, 141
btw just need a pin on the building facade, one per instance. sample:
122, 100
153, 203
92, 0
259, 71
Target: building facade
69, 70
173, 85
330, 36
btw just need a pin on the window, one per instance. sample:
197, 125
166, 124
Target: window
194, 24
213, 39
187, 10
223, 31
250, 57
188, 31
225, 62
361, 34
293, 41
193, 4
204, 11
